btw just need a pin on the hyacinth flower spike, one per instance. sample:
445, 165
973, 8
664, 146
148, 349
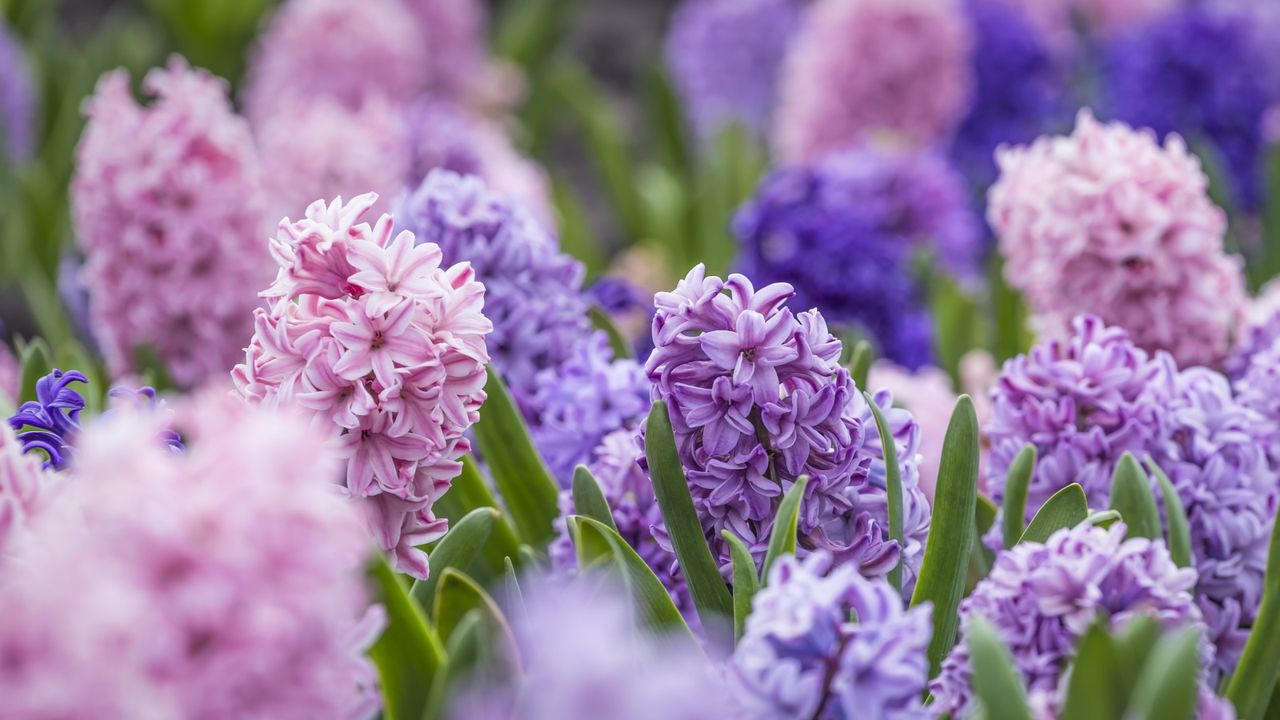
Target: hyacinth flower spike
48, 422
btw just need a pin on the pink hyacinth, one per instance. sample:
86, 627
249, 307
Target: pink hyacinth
927, 394
317, 148
22, 490
347, 51
863, 68
226, 581
168, 212
1107, 222
10, 376
386, 349
453, 35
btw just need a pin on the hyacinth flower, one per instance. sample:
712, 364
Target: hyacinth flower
1070, 26
224, 582
843, 233
1042, 597
17, 100
1130, 236
167, 202
823, 642
757, 399
385, 346
724, 57
24, 485
1085, 401
48, 423
532, 289
858, 69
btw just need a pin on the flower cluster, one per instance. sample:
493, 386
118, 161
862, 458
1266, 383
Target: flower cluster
1061, 20
757, 399
22, 490
48, 422
532, 289
858, 68
1041, 598
452, 39
386, 347
17, 100
1085, 401
823, 642
225, 582
1171, 75
725, 55
168, 213
1129, 235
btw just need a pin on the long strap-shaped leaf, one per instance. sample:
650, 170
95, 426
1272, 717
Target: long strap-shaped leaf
710, 596
1166, 687
952, 530
782, 541
1179, 534
589, 500
995, 681
528, 490
1131, 496
1064, 509
408, 653
468, 493
456, 550
1094, 689
1255, 677
893, 487
1015, 494
745, 581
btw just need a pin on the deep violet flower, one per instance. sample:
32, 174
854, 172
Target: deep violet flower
47, 423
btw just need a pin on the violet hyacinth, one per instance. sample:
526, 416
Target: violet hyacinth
224, 582
1085, 401
725, 55
823, 642
167, 202
1130, 235
47, 423
532, 290
1041, 598
24, 487
17, 100
1197, 72
757, 398
385, 345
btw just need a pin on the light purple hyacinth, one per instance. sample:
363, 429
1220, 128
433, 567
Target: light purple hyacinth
758, 398
725, 55
586, 398
1086, 400
1041, 598
583, 658
532, 290
823, 642
17, 99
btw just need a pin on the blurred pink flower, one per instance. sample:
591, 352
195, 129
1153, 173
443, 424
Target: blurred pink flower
1108, 222
453, 38
387, 349
168, 212
22, 490
10, 376
927, 394
862, 68
225, 581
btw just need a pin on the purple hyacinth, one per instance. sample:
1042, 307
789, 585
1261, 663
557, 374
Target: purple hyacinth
1197, 72
1041, 598
844, 232
1019, 93
48, 423
587, 397
532, 290
758, 398
17, 100
1086, 400
823, 642
724, 57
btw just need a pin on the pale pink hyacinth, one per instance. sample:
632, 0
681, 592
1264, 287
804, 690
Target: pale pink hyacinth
453, 38
10, 376
861, 69
23, 489
225, 581
386, 349
318, 148
168, 213
1108, 222
928, 395
343, 50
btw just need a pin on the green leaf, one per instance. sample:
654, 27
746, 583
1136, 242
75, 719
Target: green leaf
710, 596
1255, 677
1167, 685
468, 493
984, 514
598, 542
996, 683
589, 500
860, 363
456, 550
783, 539
745, 581
617, 342
35, 365
1131, 496
1094, 691
1179, 535
528, 31
1133, 646
465, 650
527, 488
893, 487
515, 598
1103, 518
1064, 509
408, 653
1015, 494
951, 536
456, 596
666, 119
577, 237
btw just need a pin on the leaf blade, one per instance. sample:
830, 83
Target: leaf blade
996, 683
893, 486
1179, 533
457, 549
589, 499
1131, 496
1016, 484
408, 654
783, 539
1064, 509
745, 581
